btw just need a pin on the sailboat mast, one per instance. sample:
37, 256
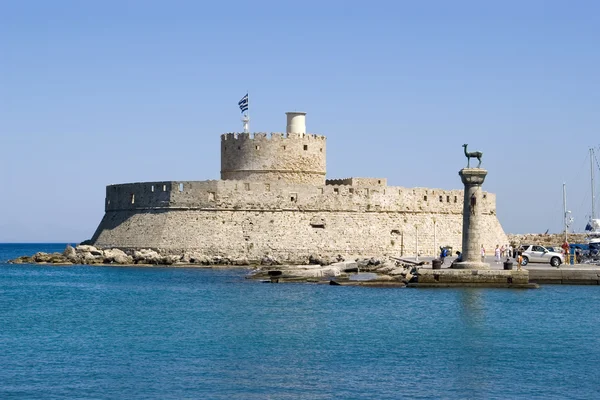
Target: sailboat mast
565, 207
593, 191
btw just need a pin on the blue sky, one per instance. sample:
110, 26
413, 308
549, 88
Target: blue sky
96, 93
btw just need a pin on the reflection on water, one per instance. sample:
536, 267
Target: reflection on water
472, 310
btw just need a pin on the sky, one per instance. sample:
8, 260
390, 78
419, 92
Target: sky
97, 93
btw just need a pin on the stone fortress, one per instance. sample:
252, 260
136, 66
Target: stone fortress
273, 200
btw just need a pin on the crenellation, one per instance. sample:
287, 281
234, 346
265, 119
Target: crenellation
274, 195
308, 137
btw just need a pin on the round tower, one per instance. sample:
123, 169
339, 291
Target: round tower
293, 157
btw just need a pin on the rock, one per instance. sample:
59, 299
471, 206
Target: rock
241, 261
85, 248
125, 260
218, 260
146, 256
54, 258
59, 259
89, 258
112, 253
331, 271
194, 258
22, 260
269, 260
319, 260
69, 252
117, 256
170, 259
344, 265
395, 271
42, 257
374, 261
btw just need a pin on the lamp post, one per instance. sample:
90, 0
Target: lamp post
434, 237
417, 242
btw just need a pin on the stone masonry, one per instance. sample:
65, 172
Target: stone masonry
273, 200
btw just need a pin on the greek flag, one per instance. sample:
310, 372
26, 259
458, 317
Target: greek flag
243, 103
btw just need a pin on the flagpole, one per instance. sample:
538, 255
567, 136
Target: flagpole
248, 111
246, 114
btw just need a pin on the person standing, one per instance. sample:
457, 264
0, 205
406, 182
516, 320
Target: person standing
510, 250
443, 254
482, 253
497, 254
565, 246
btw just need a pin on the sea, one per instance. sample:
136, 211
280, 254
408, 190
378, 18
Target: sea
103, 332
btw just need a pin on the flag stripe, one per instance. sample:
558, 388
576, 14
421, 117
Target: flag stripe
243, 103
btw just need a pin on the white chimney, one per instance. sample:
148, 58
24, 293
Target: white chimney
296, 122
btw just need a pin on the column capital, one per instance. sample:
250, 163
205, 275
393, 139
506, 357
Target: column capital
472, 176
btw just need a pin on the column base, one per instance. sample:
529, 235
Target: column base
470, 265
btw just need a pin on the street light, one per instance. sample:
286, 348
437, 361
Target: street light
417, 242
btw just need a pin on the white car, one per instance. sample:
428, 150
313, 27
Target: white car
539, 254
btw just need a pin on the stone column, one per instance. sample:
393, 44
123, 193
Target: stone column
472, 178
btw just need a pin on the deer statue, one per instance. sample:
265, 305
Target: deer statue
473, 154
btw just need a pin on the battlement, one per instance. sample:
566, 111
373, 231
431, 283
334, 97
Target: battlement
235, 136
358, 181
273, 196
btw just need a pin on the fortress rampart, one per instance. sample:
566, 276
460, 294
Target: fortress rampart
248, 220
236, 195
273, 200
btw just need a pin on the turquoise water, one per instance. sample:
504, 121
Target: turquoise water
173, 333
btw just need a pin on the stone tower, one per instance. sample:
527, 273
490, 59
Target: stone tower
293, 157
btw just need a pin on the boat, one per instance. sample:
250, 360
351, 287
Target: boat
593, 226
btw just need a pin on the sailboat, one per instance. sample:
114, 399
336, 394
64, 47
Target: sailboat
593, 226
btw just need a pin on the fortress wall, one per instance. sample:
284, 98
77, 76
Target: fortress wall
288, 235
131, 229
251, 219
250, 195
248, 220
138, 195
291, 158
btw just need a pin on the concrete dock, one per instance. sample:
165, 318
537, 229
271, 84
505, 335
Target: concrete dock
565, 274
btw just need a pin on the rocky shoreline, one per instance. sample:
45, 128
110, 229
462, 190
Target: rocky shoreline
84, 254
89, 255
371, 271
